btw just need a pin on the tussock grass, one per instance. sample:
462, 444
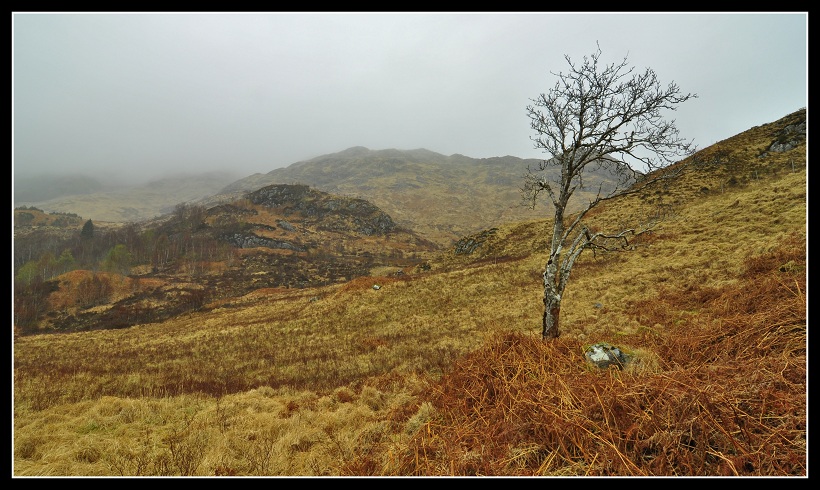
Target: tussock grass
443, 373
725, 396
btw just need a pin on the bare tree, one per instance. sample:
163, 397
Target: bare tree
598, 118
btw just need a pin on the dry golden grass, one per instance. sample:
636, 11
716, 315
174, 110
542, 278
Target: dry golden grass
442, 372
723, 394
121, 286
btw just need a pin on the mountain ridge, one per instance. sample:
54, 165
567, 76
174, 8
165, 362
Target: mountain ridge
442, 197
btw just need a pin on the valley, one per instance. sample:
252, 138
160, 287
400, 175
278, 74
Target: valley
245, 337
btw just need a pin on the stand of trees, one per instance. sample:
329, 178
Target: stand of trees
39, 257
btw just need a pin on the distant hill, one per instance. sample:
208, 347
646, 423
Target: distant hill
47, 187
103, 202
441, 197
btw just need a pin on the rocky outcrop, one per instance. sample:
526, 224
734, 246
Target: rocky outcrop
789, 137
603, 355
469, 244
251, 240
230, 210
792, 133
325, 211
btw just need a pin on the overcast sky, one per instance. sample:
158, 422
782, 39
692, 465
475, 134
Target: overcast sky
135, 95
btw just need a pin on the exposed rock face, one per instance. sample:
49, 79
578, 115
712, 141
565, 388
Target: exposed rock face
230, 210
469, 244
792, 133
275, 196
251, 240
285, 225
789, 137
332, 213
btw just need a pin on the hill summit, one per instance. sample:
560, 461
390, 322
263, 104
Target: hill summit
441, 197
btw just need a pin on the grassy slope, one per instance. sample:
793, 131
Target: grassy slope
338, 380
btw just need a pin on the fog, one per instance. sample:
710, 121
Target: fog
133, 96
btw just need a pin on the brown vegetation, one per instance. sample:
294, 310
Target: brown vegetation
722, 394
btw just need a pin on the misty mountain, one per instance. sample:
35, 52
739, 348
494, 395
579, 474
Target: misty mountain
441, 197
92, 199
47, 187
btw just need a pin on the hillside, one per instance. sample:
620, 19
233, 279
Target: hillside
279, 236
440, 371
761, 153
441, 197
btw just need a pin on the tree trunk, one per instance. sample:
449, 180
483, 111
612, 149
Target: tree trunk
552, 303
552, 310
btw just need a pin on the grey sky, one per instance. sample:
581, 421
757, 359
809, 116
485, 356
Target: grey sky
135, 95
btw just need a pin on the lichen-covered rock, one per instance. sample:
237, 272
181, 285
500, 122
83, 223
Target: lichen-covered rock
603, 355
